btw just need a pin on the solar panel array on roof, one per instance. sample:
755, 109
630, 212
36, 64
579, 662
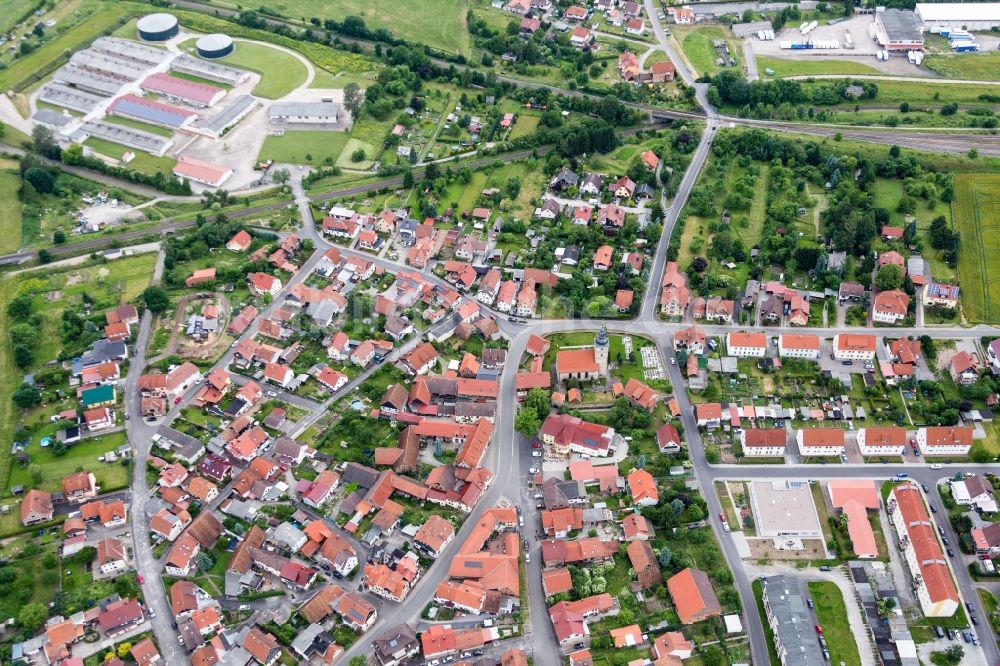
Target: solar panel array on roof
127, 136
209, 70
129, 50
107, 65
70, 98
84, 80
150, 111
230, 114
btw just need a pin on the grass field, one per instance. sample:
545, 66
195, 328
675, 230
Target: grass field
805, 67
47, 56
280, 73
697, 46
345, 162
436, 23
977, 66
10, 212
110, 476
304, 146
832, 616
930, 93
977, 213
12, 11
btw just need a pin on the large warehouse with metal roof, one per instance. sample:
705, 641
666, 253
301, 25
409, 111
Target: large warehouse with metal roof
958, 15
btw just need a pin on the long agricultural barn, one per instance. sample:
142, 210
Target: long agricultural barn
126, 49
74, 77
202, 172
319, 113
158, 27
69, 98
182, 90
146, 110
899, 30
127, 136
106, 65
208, 70
230, 114
958, 15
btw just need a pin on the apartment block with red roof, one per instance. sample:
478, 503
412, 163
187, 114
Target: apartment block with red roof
853, 347
944, 440
881, 441
820, 441
763, 442
935, 588
799, 346
746, 345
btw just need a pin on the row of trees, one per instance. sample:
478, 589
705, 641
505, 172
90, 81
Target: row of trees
731, 89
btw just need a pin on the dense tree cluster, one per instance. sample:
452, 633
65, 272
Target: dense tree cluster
732, 89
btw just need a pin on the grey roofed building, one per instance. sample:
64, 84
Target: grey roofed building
127, 136
901, 25
494, 358
127, 49
364, 477
174, 439
287, 536
559, 494
79, 78
305, 643
395, 644
245, 510
107, 65
51, 118
70, 98
750, 29
789, 618
209, 70
305, 112
102, 351
230, 114
190, 635
565, 178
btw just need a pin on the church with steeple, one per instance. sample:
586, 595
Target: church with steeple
588, 364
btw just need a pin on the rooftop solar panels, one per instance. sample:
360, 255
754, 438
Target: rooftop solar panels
106, 65
230, 114
69, 98
75, 77
129, 50
209, 70
127, 136
149, 111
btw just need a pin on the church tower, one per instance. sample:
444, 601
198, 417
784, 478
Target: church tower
602, 347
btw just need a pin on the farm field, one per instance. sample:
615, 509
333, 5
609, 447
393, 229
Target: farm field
784, 67
10, 211
697, 45
977, 209
35, 65
832, 616
978, 66
437, 23
304, 146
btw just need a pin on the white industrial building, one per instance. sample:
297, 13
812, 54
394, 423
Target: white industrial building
312, 113
958, 15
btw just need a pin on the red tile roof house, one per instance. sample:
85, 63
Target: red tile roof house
240, 242
213, 175
80, 487
282, 375
262, 283
645, 564
693, 596
120, 616
200, 276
